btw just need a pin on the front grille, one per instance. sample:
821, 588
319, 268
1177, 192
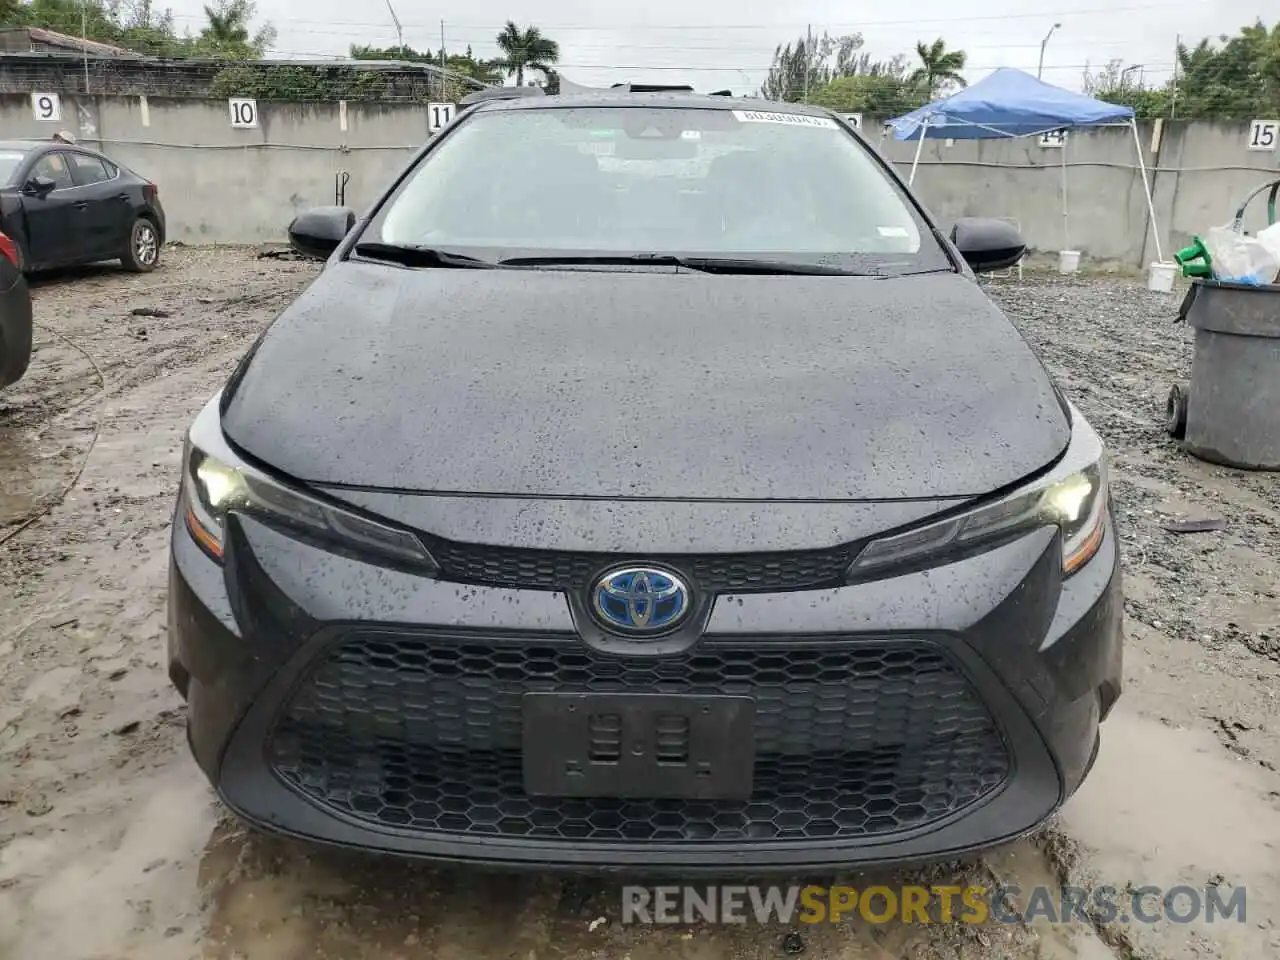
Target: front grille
716, 573
851, 740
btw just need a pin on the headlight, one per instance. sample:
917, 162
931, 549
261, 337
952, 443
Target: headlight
1073, 498
216, 482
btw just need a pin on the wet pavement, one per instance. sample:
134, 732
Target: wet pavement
112, 846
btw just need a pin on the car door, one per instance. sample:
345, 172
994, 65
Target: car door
104, 203
52, 219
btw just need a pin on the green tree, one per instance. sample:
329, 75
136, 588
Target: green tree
882, 95
1236, 78
523, 50
802, 68
939, 68
226, 35
134, 24
465, 64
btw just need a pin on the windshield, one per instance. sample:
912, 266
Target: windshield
627, 180
9, 161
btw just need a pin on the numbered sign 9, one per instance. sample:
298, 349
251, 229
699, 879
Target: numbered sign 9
244, 113
46, 107
1264, 134
438, 116
1054, 138
854, 120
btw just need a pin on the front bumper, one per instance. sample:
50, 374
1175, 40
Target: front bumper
909, 718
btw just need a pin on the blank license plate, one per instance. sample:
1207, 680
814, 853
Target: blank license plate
638, 746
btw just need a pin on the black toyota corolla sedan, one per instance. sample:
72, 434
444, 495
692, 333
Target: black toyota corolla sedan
645, 481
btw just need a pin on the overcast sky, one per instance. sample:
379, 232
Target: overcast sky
715, 44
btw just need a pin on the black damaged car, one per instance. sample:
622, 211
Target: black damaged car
645, 481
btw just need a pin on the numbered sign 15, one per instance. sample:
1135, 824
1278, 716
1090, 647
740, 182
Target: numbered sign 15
1264, 134
438, 116
244, 113
1054, 138
46, 106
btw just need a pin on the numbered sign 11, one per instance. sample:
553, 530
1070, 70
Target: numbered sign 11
1054, 138
438, 116
244, 113
46, 107
1264, 134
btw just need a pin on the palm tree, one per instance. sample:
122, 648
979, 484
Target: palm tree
939, 68
227, 31
525, 49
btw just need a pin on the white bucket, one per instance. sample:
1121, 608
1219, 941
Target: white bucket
1160, 276
1068, 261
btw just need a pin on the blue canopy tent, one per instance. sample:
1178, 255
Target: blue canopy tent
1009, 103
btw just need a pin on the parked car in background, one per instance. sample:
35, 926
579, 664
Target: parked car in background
63, 204
15, 316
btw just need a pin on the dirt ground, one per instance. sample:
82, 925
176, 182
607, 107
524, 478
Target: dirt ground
112, 846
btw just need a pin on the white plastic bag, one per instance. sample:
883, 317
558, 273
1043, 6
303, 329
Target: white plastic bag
1237, 258
1270, 238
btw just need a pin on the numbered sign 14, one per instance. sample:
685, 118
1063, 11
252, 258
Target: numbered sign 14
1053, 138
1264, 134
46, 107
438, 116
244, 113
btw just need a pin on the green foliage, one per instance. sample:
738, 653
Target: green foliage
842, 77
525, 49
939, 69
136, 25
226, 35
338, 82
879, 95
1238, 80
465, 64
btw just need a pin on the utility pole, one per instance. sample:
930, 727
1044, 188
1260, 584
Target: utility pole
1173, 97
84, 41
808, 58
1044, 43
399, 30
442, 61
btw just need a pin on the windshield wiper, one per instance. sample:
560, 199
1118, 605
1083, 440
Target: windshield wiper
701, 264
413, 256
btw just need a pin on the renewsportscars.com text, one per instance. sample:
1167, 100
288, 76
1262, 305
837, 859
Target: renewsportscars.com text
934, 904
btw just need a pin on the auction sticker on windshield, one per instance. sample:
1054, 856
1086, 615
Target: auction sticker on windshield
795, 119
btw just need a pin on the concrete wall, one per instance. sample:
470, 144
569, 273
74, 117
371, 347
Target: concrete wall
225, 185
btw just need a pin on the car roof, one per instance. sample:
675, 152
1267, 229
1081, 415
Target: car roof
669, 100
26, 146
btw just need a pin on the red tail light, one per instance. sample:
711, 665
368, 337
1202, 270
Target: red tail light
150, 191
8, 249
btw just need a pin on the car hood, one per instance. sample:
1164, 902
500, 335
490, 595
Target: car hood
642, 384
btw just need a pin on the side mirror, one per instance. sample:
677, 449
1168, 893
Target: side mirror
988, 245
38, 187
317, 232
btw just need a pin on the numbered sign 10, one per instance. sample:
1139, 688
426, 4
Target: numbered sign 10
244, 113
46, 107
1054, 138
438, 116
1264, 134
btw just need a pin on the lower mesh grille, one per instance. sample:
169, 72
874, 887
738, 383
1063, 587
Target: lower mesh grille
851, 740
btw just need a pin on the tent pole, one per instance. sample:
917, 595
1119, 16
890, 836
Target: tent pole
1146, 186
919, 146
1066, 226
